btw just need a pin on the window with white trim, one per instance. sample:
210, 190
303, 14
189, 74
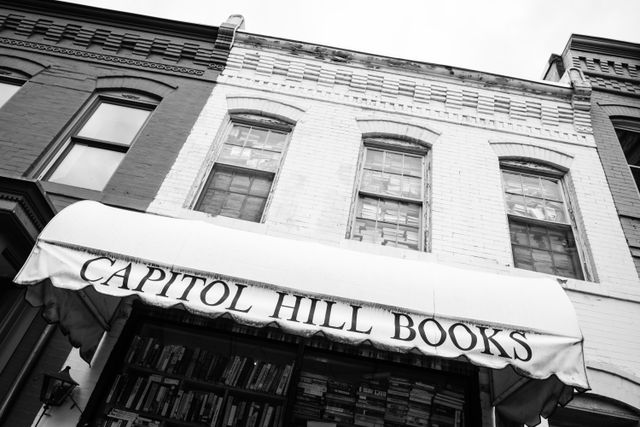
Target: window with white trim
10, 83
390, 208
540, 223
240, 181
99, 140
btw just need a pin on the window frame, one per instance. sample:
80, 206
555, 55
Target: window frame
253, 119
396, 145
540, 169
628, 124
70, 137
13, 78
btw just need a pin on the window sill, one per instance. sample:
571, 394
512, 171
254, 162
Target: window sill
71, 191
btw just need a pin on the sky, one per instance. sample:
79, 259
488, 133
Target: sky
508, 37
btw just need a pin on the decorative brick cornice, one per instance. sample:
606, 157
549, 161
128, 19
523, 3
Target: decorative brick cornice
100, 56
128, 47
372, 87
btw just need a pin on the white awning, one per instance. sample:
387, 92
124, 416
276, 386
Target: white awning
91, 253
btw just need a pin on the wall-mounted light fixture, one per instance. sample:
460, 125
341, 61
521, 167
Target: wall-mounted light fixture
55, 389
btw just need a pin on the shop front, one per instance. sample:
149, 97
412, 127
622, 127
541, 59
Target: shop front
227, 327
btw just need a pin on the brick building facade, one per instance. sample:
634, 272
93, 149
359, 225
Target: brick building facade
57, 63
467, 144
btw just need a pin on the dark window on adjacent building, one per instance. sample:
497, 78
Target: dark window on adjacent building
539, 222
391, 203
99, 141
240, 181
628, 132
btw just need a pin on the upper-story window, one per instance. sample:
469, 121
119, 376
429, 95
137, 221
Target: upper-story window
10, 83
240, 181
540, 224
390, 208
99, 140
628, 132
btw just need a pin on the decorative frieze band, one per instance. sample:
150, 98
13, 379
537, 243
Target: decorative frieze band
435, 111
391, 87
101, 56
52, 34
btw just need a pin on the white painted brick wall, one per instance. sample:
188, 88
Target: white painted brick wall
313, 193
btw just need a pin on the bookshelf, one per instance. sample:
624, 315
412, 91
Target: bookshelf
172, 376
172, 369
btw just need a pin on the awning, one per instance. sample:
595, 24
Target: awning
90, 256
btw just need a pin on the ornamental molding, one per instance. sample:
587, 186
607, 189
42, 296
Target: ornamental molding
378, 87
433, 111
104, 57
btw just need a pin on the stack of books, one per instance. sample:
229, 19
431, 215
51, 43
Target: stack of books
397, 402
420, 398
310, 399
247, 413
448, 406
340, 402
371, 400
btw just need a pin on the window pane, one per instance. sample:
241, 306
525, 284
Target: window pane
413, 166
535, 208
515, 204
374, 159
538, 237
512, 182
260, 186
531, 186
519, 233
368, 208
554, 211
87, 167
551, 189
276, 141
252, 209
542, 261
7, 90
114, 123
545, 249
257, 138
235, 194
250, 158
393, 162
238, 135
522, 258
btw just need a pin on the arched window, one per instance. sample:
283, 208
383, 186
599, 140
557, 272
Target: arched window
391, 204
540, 223
239, 184
99, 139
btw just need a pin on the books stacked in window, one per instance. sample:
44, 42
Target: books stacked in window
248, 413
339, 401
149, 352
310, 398
397, 402
197, 406
239, 371
420, 404
371, 399
447, 409
142, 392
120, 418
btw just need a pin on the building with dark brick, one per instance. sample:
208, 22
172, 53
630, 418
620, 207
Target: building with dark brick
612, 68
236, 229
62, 66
